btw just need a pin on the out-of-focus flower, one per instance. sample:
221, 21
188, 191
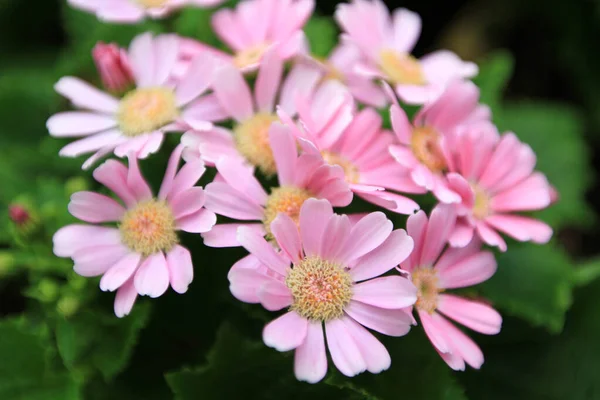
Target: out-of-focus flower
132, 11
386, 42
18, 214
331, 285
495, 178
433, 271
142, 255
136, 123
113, 66
425, 143
237, 194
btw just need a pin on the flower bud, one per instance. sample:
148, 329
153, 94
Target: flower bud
113, 66
18, 214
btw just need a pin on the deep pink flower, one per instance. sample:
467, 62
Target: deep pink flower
433, 271
139, 120
131, 11
425, 143
113, 66
323, 275
141, 255
495, 178
386, 42
255, 26
237, 194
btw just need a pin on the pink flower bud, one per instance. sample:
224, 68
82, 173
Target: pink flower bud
113, 66
18, 214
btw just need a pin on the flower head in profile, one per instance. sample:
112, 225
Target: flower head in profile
142, 254
237, 194
425, 143
433, 271
495, 178
326, 277
255, 26
137, 122
386, 42
132, 11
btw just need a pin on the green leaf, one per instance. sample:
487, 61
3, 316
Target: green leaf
532, 282
196, 23
100, 341
26, 371
494, 73
587, 272
322, 35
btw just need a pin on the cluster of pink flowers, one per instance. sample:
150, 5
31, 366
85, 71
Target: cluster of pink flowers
315, 127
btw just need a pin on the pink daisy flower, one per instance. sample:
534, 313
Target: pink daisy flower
113, 66
142, 254
255, 26
253, 113
138, 121
424, 143
386, 42
131, 11
495, 178
237, 194
433, 271
329, 287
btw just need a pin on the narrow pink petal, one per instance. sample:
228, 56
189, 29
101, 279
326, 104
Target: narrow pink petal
166, 49
274, 295
416, 227
286, 234
200, 75
407, 28
462, 234
490, 236
152, 278
368, 234
373, 352
344, 351
285, 153
300, 81
187, 202
310, 359
225, 235
454, 360
389, 292
434, 331
78, 123
181, 268
286, 332
532, 193
268, 81
461, 344
136, 182
258, 246
142, 59
441, 224
72, 238
233, 92
201, 221
475, 315
92, 143
170, 172
453, 255
125, 299
83, 95
95, 208
389, 322
314, 216
120, 272
396, 248
187, 177
113, 175
391, 201
467, 272
225, 200
245, 279
96, 260
242, 179
521, 228
227, 27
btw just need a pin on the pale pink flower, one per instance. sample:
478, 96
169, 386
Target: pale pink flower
113, 66
324, 276
255, 26
433, 271
425, 143
253, 113
495, 178
138, 121
237, 194
386, 42
132, 11
142, 254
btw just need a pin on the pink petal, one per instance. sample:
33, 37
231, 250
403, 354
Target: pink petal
300, 81
286, 332
181, 268
373, 352
120, 272
83, 95
285, 153
344, 351
461, 344
78, 123
268, 80
335, 237
113, 175
443, 66
489, 236
152, 278
521, 228
392, 252
310, 360
441, 224
166, 49
389, 322
233, 92
96, 260
187, 177
274, 295
225, 200
142, 59
125, 299
462, 234
225, 235
242, 179
467, 272
199, 222
136, 182
246, 278
389, 292
95, 208
228, 28
416, 227
391, 201
407, 28
435, 331
72, 238
478, 316
170, 172
258, 246
286, 234
92, 143
532, 193
200, 75
314, 216
187, 202
368, 234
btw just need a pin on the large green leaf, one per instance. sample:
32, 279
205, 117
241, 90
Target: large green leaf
322, 35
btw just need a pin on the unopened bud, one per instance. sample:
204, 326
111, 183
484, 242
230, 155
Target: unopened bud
18, 214
113, 66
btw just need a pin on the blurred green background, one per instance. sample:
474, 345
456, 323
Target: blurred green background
540, 73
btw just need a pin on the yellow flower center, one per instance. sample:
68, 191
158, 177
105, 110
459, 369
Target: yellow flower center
481, 208
147, 109
320, 289
351, 171
426, 148
401, 68
287, 200
426, 281
152, 3
252, 139
149, 227
250, 56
